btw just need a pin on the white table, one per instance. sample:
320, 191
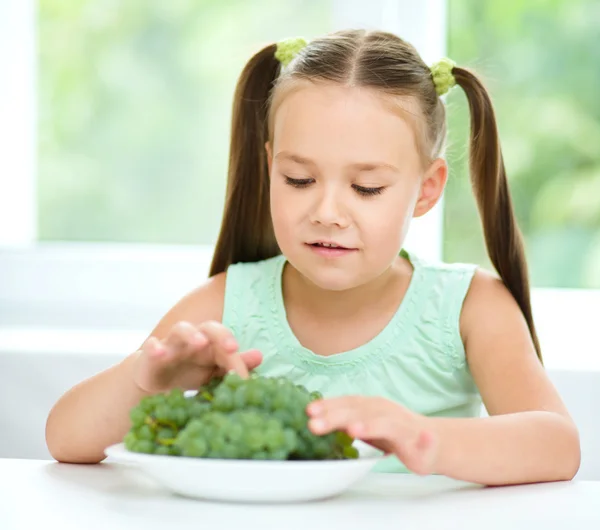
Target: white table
37, 494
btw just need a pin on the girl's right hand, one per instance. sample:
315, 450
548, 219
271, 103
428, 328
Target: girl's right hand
189, 356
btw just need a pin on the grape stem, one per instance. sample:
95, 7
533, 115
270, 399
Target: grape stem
160, 423
207, 396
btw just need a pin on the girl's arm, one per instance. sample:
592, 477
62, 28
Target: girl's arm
529, 435
95, 413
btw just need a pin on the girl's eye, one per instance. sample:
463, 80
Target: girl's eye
297, 183
303, 183
368, 191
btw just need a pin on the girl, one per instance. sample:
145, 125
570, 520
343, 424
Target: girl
336, 145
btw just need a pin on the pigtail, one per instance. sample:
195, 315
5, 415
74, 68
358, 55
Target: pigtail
503, 238
246, 229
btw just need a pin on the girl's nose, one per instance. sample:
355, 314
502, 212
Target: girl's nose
329, 210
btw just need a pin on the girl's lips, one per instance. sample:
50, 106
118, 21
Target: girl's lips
331, 252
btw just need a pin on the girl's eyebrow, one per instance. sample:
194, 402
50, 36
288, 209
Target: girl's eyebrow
360, 166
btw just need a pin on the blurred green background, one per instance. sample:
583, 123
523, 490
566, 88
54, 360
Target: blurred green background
134, 111
135, 99
541, 63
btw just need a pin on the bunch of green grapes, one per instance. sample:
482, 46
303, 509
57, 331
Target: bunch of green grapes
261, 418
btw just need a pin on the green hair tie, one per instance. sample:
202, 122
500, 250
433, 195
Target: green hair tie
443, 79
288, 49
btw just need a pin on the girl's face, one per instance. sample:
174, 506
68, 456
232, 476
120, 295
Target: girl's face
345, 171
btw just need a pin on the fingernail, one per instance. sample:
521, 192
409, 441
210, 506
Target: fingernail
318, 425
314, 409
199, 338
230, 344
157, 352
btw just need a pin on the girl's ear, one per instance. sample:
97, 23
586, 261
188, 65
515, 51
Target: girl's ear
269, 156
432, 187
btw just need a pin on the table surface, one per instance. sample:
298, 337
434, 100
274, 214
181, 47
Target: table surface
38, 494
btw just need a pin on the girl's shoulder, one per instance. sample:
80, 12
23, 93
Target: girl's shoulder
474, 298
445, 284
201, 304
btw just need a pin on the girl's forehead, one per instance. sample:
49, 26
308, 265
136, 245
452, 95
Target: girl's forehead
356, 121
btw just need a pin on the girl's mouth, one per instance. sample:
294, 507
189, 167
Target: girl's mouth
330, 250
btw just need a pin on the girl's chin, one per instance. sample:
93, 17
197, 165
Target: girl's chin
329, 280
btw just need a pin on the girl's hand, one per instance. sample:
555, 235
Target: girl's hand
189, 357
381, 423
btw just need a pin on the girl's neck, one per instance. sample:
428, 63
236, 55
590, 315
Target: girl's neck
302, 293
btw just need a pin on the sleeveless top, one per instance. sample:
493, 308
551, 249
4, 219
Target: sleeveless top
417, 360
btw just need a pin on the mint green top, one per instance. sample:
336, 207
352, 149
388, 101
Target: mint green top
417, 360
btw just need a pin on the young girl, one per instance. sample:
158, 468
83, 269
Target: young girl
336, 145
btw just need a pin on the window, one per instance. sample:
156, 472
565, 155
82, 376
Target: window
116, 118
133, 103
540, 62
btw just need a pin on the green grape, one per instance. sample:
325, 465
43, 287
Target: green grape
321, 448
254, 396
175, 398
144, 446
197, 408
239, 397
145, 432
223, 400
231, 451
254, 440
236, 433
165, 433
350, 451
233, 381
174, 450
298, 419
279, 454
290, 440
163, 413
181, 415
130, 440
280, 400
137, 417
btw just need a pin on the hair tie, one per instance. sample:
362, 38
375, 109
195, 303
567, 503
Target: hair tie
287, 49
443, 79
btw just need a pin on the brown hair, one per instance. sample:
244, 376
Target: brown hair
386, 63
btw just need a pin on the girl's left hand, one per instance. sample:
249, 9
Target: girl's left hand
381, 423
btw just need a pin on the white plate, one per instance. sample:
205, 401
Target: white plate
252, 480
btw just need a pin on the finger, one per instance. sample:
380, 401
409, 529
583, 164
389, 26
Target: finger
153, 347
335, 414
252, 359
233, 362
224, 348
218, 335
185, 338
381, 427
320, 407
